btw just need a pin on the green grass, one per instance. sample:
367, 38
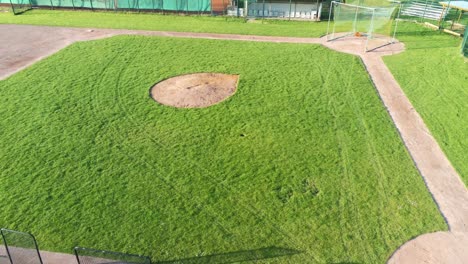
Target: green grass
321, 176
434, 76
166, 23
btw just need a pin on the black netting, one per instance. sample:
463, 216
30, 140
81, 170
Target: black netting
21, 247
20, 6
93, 256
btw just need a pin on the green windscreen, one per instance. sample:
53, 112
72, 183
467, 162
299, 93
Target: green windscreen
20, 6
134, 5
465, 43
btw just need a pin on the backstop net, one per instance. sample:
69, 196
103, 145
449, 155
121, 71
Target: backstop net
20, 6
21, 247
94, 256
377, 25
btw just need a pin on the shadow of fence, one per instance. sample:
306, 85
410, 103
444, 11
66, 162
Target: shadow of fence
237, 256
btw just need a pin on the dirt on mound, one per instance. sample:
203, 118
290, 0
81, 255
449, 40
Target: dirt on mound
195, 90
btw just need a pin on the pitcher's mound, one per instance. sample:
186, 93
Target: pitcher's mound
195, 90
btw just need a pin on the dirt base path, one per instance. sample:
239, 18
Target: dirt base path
23, 45
445, 185
443, 182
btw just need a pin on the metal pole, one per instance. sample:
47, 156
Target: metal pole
186, 11
3, 237
334, 19
442, 15
316, 12
329, 19
424, 13
355, 20
295, 8
396, 24
289, 10
263, 11
370, 30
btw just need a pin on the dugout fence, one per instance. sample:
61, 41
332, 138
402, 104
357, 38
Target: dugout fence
445, 15
283, 9
21, 247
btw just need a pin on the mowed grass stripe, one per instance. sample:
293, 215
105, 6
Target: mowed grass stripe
107, 167
151, 21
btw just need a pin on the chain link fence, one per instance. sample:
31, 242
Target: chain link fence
21, 248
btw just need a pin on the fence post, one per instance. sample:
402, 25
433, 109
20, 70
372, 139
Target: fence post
263, 9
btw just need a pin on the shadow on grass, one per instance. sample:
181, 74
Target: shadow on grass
237, 256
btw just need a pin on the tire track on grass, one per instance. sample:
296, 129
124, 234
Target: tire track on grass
371, 148
343, 153
251, 209
175, 191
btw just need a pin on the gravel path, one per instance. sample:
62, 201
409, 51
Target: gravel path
445, 185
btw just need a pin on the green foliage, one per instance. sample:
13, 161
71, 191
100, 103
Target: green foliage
167, 23
88, 158
434, 76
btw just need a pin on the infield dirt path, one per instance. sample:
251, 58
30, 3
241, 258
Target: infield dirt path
24, 45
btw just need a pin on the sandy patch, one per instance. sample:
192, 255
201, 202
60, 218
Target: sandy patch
195, 90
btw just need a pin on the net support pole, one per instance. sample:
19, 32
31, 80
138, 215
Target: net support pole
329, 20
355, 20
3, 237
396, 23
442, 17
371, 30
290, 2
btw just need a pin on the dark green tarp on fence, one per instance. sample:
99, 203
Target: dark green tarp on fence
146, 5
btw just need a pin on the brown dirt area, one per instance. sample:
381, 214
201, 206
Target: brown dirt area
195, 90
